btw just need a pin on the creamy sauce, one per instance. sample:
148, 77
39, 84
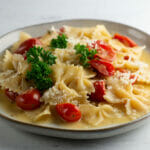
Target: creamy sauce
16, 113
10, 108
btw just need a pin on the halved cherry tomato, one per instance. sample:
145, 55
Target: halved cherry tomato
99, 91
104, 50
125, 40
68, 112
29, 100
26, 45
103, 67
10, 94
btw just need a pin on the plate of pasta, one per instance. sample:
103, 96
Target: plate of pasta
79, 79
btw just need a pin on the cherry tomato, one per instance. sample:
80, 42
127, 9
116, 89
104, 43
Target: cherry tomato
99, 91
29, 100
104, 50
11, 95
125, 40
26, 45
103, 67
68, 112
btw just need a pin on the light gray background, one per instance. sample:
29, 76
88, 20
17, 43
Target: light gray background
19, 13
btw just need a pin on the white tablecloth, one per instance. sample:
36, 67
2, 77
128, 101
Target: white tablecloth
19, 13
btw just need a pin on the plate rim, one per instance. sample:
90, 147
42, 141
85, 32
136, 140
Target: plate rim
110, 127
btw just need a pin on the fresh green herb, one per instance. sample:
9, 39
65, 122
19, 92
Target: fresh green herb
48, 57
60, 42
40, 69
85, 54
36, 54
39, 75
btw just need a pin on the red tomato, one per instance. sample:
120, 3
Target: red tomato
11, 95
68, 112
62, 29
125, 40
26, 45
126, 57
104, 50
103, 67
99, 91
29, 100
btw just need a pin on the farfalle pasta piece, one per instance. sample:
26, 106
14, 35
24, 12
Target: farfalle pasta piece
98, 114
120, 47
7, 61
39, 114
14, 69
126, 57
133, 58
78, 33
109, 111
15, 62
71, 85
101, 33
141, 89
121, 91
59, 93
95, 116
45, 114
72, 76
23, 37
13, 81
143, 76
67, 56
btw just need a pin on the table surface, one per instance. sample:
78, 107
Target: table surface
19, 13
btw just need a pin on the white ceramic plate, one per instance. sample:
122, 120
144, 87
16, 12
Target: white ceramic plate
52, 130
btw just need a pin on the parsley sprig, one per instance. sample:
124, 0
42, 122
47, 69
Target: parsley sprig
36, 54
60, 42
85, 54
40, 69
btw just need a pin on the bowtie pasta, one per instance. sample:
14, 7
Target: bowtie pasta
76, 78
